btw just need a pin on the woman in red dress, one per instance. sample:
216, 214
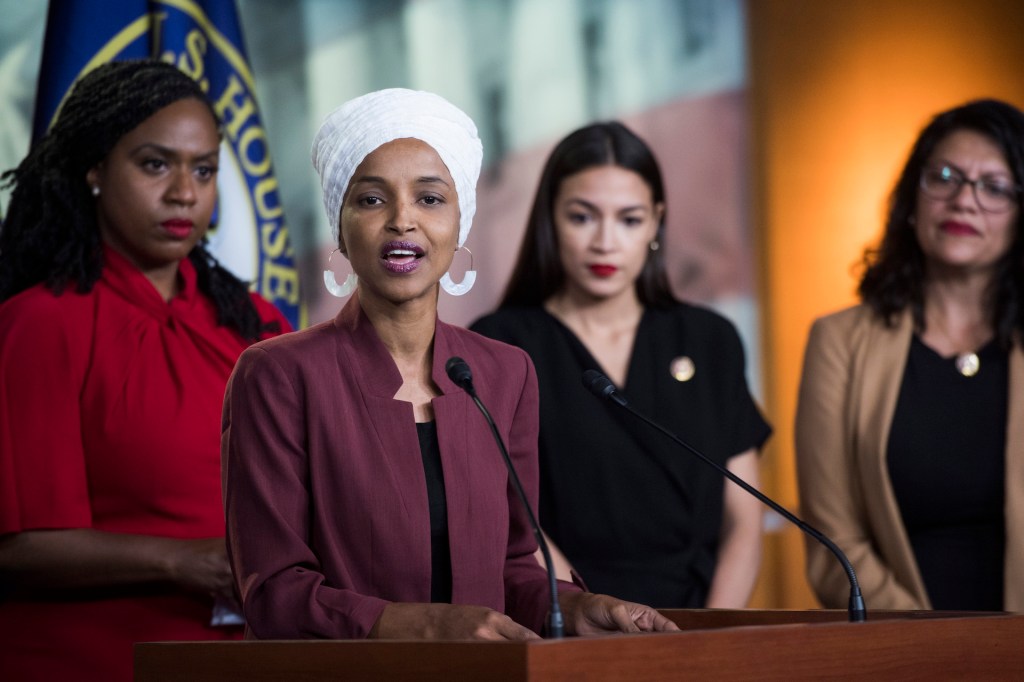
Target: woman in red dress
118, 331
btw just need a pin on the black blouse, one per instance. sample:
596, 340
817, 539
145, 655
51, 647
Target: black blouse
638, 517
440, 551
946, 460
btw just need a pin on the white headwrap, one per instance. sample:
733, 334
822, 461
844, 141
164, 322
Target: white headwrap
359, 126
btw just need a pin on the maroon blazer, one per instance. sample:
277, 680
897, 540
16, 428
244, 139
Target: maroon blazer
326, 500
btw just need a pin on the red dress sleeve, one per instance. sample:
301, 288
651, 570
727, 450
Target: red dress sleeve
43, 477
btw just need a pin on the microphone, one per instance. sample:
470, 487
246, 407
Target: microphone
602, 387
458, 371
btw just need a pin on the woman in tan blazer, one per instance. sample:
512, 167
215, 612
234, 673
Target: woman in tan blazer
910, 424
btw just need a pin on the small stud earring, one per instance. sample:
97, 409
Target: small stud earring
654, 245
95, 190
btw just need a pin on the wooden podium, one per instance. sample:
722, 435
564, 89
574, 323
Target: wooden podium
714, 645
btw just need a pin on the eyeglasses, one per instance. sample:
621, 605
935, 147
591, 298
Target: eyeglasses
992, 195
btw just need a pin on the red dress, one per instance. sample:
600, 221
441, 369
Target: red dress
110, 411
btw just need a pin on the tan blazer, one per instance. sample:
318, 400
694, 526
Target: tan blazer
851, 379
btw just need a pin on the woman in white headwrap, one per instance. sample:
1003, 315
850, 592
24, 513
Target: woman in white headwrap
365, 495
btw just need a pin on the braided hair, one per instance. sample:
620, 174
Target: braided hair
50, 234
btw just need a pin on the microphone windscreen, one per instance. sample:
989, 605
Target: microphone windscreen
458, 371
597, 383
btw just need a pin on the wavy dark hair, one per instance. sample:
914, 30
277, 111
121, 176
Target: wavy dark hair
538, 273
50, 234
894, 272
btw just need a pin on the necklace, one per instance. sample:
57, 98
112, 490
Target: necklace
967, 364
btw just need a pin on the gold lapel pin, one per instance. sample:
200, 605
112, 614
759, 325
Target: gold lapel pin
682, 368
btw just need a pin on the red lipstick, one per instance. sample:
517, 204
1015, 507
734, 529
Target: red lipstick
602, 270
178, 228
958, 229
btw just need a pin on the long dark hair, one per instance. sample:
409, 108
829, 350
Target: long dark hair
538, 273
894, 272
50, 233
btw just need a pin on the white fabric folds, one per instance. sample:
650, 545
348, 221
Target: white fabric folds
359, 126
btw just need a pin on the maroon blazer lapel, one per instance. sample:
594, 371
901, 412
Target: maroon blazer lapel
393, 424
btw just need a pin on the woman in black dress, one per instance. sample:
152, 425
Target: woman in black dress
633, 513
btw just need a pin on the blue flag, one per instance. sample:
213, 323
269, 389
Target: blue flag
204, 39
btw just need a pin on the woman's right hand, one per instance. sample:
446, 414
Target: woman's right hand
446, 621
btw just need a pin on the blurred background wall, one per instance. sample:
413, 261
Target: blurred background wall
780, 126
